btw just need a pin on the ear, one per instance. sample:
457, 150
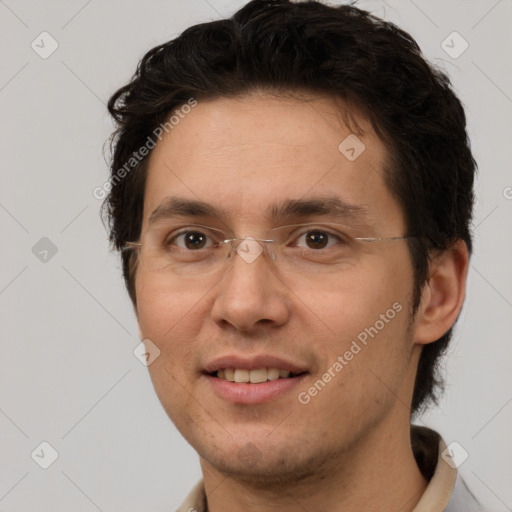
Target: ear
443, 295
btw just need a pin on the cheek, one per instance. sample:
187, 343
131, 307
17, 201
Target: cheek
170, 316
352, 301
168, 310
366, 316
363, 366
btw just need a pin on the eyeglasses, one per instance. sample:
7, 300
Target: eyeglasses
197, 250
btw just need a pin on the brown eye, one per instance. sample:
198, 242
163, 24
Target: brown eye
195, 240
317, 239
191, 240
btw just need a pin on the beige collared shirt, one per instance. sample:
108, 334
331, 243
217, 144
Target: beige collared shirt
446, 491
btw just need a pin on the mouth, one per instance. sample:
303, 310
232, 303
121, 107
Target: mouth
253, 380
255, 376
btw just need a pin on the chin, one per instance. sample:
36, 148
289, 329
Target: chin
264, 465
264, 472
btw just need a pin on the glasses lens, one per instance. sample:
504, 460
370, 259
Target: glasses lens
192, 249
301, 250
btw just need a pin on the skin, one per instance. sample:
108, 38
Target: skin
349, 448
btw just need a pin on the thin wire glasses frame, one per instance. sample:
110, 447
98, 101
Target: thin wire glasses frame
235, 242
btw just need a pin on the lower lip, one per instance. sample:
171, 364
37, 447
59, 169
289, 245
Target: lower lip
247, 393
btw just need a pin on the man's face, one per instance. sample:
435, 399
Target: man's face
244, 156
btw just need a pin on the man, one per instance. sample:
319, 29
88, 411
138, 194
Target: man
291, 191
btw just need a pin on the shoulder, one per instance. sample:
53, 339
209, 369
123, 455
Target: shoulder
462, 499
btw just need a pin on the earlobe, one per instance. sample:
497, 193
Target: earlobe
443, 294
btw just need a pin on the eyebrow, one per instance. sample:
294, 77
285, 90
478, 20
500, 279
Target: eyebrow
181, 207
332, 206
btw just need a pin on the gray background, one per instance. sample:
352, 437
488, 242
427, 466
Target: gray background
68, 375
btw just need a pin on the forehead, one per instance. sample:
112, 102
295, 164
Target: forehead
243, 153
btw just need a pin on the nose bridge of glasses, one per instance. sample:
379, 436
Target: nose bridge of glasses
249, 248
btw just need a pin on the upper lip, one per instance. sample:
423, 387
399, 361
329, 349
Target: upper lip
252, 363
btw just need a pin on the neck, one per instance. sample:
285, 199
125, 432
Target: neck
378, 474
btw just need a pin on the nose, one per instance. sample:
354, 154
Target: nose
250, 294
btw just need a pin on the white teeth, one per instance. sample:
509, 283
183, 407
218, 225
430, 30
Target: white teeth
254, 376
258, 375
241, 375
273, 374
